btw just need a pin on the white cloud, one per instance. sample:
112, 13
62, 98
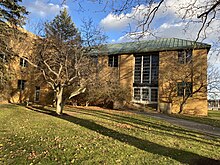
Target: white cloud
114, 22
121, 21
42, 8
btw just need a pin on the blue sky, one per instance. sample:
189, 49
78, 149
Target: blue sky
46, 10
167, 22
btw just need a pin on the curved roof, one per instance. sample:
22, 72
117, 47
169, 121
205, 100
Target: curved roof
144, 46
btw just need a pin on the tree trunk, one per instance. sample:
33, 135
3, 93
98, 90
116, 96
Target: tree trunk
59, 99
181, 108
87, 103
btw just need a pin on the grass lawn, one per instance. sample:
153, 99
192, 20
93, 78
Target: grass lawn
97, 136
213, 118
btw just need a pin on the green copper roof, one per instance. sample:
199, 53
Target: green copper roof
164, 44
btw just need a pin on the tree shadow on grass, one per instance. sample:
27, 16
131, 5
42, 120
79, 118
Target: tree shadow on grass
185, 157
166, 130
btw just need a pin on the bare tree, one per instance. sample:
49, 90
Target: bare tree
92, 34
213, 79
64, 67
63, 62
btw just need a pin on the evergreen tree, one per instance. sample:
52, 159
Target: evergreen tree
62, 60
12, 12
62, 28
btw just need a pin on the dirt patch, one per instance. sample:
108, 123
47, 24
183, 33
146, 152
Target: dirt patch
126, 126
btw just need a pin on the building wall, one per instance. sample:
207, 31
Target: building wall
24, 46
126, 72
171, 72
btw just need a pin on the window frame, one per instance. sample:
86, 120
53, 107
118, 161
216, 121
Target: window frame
113, 60
3, 57
149, 97
146, 76
185, 56
152, 69
21, 84
37, 94
183, 89
23, 63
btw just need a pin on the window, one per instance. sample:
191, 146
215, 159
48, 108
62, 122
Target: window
113, 60
95, 59
37, 94
146, 69
146, 78
21, 84
184, 89
145, 94
184, 56
23, 62
137, 71
2, 57
137, 94
154, 94
141, 94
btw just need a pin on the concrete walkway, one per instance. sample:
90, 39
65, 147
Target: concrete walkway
205, 129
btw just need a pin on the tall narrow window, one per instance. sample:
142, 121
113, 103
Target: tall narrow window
137, 71
95, 59
154, 69
113, 60
184, 56
146, 69
21, 84
23, 62
2, 57
154, 94
146, 78
37, 94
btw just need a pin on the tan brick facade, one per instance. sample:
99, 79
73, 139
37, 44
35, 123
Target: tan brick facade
126, 72
170, 72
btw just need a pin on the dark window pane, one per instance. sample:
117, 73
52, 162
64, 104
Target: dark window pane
21, 84
110, 61
188, 90
37, 93
137, 69
184, 88
137, 94
180, 89
154, 94
146, 69
2, 57
113, 60
188, 56
184, 56
95, 59
181, 58
115, 57
23, 62
154, 69
145, 94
